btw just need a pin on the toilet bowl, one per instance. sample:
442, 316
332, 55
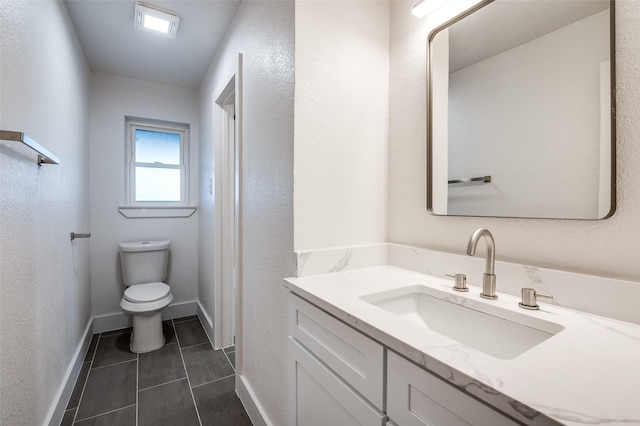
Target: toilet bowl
144, 268
145, 303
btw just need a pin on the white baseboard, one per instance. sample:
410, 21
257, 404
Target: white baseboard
207, 324
111, 322
185, 309
57, 409
119, 320
251, 404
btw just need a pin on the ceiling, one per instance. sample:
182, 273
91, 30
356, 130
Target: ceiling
111, 43
505, 24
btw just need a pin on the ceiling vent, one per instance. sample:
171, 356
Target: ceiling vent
158, 21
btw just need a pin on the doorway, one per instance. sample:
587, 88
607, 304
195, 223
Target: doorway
228, 210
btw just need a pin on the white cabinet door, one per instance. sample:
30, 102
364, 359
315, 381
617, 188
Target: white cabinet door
416, 397
322, 399
355, 357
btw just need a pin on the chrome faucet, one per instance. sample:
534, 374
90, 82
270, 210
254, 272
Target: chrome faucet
488, 278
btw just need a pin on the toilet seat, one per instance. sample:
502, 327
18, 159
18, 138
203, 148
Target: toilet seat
145, 308
145, 293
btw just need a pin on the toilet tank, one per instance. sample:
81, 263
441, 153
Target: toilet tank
144, 261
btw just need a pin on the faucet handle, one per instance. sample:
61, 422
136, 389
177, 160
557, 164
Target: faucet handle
460, 282
529, 298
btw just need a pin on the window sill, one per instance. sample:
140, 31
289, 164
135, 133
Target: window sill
138, 212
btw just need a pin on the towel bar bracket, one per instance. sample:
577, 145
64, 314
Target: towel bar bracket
76, 235
474, 180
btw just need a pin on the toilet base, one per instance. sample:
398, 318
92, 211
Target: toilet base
147, 333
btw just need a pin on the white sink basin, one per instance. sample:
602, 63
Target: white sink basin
496, 331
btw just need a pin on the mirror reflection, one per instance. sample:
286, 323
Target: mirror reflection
521, 111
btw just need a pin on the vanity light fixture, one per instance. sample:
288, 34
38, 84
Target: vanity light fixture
425, 7
152, 19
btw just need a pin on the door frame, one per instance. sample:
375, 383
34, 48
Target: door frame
228, 216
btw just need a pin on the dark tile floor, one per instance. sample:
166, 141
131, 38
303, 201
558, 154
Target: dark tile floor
184, 383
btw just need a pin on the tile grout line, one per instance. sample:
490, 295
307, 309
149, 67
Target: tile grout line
193, 398
84, 386
179, 320
105, 413
213, 381
229, 361
115, 363
199, 344
162, 384
118, 332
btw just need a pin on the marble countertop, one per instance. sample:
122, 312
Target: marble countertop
587, 374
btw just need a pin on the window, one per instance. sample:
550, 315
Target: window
156, 164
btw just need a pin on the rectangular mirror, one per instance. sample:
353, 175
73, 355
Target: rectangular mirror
521, 111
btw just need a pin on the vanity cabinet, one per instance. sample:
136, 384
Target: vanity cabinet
322, 398
339, 379
416, 397
338, 371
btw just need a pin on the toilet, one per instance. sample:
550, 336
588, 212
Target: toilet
144, 270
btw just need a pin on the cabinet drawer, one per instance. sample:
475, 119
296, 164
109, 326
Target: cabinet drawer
323, 399
352, 355
415, 397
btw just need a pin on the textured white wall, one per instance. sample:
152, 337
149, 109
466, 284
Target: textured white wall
263, 32
44, 277
206, 215
341, 122
112, 98
607, 248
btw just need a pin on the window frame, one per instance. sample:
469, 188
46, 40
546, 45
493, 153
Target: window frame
133, 124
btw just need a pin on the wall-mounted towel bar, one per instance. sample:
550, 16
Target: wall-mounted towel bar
44, 155
470, 181
75, 235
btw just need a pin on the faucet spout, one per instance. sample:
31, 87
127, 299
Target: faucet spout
488, 278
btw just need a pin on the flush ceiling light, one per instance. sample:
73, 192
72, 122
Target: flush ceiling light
425, 7
152, 19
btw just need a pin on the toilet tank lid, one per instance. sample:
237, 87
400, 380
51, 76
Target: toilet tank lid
144, 246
